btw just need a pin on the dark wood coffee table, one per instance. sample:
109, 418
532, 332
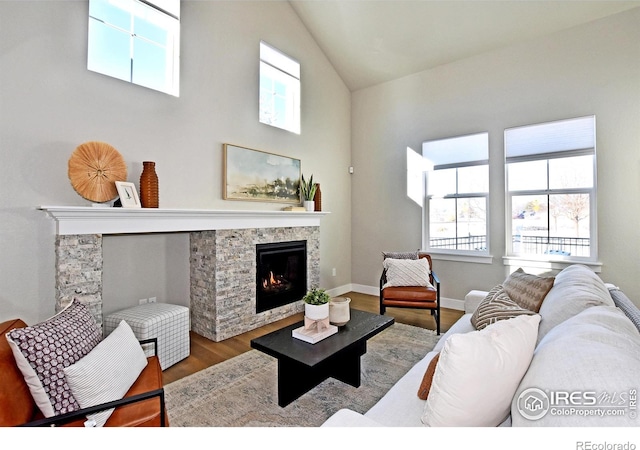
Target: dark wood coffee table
302, 366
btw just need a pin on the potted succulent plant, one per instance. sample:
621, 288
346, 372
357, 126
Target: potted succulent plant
308, 192
316, 304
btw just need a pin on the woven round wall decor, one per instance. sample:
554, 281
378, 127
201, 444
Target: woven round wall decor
94, 167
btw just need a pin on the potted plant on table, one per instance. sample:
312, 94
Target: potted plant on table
316, 304
308, 192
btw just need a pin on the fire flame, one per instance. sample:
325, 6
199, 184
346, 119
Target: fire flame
270, 281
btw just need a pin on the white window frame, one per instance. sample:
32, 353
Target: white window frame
552, 145
442, 154
165, 12
277, 67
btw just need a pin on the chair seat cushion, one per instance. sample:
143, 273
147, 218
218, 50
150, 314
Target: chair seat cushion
419, 294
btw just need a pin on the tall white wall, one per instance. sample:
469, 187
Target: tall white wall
50, 103
591, 69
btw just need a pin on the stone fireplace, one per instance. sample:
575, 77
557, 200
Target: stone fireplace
224, 273
223, 258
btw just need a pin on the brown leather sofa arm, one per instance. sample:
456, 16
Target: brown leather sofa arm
81, 413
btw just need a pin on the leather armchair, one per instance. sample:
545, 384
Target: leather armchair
142, 406
419, 297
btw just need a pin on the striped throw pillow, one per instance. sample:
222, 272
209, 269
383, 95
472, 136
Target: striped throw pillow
107, 372
497, 306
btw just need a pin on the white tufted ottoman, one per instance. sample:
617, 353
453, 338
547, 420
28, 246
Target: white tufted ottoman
168, 323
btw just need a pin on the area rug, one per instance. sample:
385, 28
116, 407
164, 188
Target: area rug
242, 391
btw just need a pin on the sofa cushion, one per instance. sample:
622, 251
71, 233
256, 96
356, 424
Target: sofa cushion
17, 403
592, 356
498, 357
576, 288
527, 290
349, 418
497, 305
107, 372
462, 325
43, 350
407, 272
400, 406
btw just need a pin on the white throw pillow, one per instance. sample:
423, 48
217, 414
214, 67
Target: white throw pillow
407, 272
107, 372
479, 372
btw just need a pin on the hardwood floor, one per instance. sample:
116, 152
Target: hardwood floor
205, 353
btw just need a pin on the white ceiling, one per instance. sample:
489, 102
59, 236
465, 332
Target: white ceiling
373, 41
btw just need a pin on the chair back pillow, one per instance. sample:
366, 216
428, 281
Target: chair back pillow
407, 272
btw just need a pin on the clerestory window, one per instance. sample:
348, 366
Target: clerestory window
137, 41
279, 103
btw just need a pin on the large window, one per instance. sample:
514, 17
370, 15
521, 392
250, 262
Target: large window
457, 176
279, 89
136, 41
551, 189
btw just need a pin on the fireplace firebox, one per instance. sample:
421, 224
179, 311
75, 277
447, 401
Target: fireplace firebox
281, 274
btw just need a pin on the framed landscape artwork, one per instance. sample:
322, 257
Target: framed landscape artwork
260, 176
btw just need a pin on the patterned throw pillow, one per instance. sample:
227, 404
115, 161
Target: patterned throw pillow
406, 272
400, 255
527, 290
496, 306
42, 351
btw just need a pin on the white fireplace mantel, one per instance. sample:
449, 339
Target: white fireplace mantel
93, 220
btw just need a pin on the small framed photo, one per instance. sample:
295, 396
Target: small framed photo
128, 194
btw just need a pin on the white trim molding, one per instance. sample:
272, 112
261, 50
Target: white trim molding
90, 220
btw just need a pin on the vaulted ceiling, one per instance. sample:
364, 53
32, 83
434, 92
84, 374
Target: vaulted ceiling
373, 41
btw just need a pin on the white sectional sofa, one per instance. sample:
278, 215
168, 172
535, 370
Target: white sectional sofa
583, 370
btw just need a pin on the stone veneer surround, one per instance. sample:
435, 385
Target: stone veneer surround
222, 258
79, 272
223, 278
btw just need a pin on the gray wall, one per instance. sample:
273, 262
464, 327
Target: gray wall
591, 69
50, 103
